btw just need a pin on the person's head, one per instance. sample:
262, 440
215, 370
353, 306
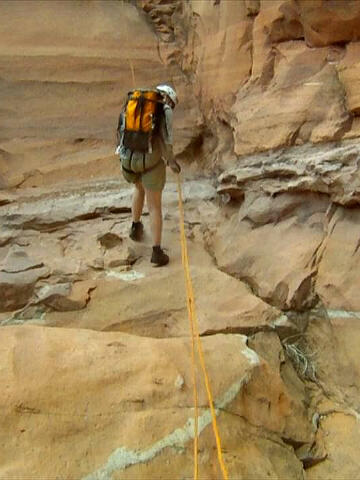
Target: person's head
169, 94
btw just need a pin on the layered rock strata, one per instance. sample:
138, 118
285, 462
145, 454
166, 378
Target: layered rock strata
95, 342
251, 76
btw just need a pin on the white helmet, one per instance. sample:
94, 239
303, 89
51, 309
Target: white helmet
169, 91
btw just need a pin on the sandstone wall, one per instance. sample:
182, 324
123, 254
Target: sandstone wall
95, 349
251, 76
279, 72
65, 70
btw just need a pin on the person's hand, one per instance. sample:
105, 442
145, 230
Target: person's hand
175, 167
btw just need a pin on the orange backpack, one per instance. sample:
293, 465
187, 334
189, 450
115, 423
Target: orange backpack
141, 115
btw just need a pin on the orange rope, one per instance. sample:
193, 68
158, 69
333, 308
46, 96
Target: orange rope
190, 315
196, 412
196, 336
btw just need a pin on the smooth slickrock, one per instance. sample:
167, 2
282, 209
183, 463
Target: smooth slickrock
266, 455
119, 408
69, 62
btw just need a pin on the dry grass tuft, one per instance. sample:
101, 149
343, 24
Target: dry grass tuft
302, 359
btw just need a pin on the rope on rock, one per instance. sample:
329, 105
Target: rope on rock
196, 341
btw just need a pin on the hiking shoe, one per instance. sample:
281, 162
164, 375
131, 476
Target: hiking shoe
136, 231
159, 257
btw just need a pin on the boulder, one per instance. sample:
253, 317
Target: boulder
121, 257
104, 410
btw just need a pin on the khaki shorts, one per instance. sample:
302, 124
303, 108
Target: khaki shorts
154, 179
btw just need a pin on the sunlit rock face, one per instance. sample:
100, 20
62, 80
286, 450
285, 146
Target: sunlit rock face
66, 68
294, 85
95, 342
251, 76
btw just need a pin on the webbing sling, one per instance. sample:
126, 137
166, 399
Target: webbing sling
195, 336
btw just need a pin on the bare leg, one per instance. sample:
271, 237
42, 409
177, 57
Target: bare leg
138, 202
153, 200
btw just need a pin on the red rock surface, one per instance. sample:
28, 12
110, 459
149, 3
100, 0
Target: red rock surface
95, 345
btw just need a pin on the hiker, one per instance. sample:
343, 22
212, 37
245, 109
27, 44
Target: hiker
145, 147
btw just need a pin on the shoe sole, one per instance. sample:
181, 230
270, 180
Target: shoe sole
157, 265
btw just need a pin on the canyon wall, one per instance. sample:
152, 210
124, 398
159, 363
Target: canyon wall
95, 348
251, 76
66, 68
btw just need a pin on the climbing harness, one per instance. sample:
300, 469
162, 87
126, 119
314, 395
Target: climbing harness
196, 342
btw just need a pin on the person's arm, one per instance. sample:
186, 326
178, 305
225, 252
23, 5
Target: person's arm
168, 140
120, 133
